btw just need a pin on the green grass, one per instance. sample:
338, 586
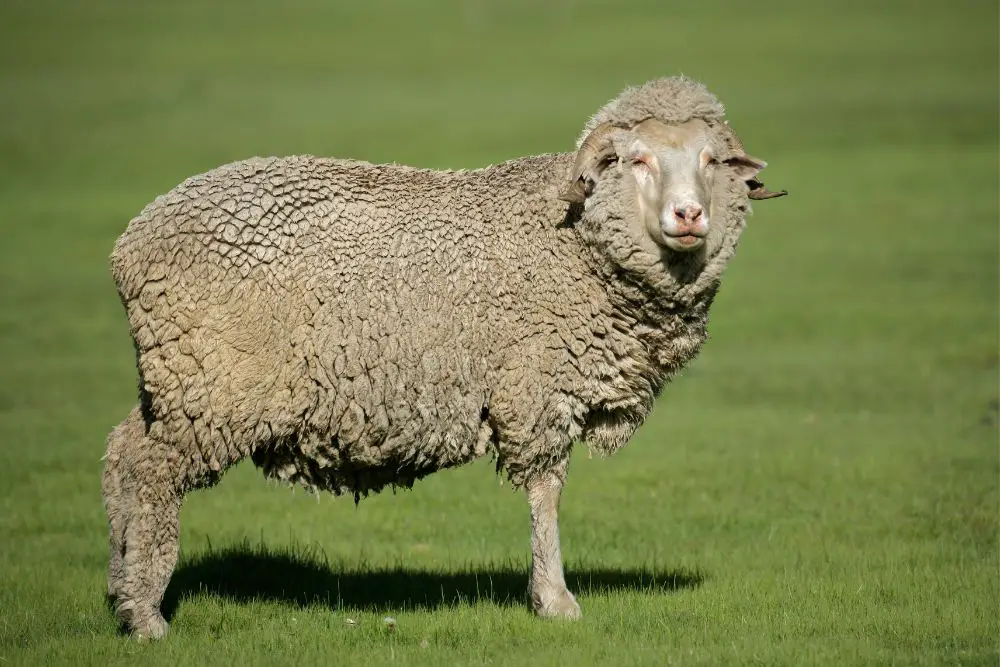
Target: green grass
820, 487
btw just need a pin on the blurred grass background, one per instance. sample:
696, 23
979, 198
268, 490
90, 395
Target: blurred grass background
821, 486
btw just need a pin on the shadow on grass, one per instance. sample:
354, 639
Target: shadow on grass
304, 579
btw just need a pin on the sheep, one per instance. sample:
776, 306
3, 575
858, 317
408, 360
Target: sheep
349, 326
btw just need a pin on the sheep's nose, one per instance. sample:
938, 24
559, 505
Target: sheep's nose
689, 214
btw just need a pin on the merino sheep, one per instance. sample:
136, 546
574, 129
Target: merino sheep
349, 326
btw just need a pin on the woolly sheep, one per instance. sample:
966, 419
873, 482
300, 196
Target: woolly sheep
349, 326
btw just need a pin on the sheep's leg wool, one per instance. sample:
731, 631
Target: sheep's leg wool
143, 501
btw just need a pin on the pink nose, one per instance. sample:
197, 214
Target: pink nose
689, 214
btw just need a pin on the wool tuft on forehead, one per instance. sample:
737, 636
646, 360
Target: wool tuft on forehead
674, 99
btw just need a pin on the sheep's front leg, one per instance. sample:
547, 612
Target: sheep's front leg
549, 595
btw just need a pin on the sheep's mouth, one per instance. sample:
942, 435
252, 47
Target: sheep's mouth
687, 239
683, 242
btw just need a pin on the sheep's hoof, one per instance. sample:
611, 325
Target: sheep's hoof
141, 626
558, 605
155, 627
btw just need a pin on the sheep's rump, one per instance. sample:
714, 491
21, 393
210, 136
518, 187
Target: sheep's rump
315, 315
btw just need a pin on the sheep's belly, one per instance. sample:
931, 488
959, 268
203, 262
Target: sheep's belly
360, 471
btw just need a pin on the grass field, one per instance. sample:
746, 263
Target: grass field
820, 487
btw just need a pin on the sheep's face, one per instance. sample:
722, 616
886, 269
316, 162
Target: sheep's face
671, 168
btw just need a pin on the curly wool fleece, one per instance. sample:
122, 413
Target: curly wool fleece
351, 326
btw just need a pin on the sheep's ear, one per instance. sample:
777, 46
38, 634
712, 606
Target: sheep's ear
745, 166
595, 154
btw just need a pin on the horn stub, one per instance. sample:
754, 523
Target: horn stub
759, 191
595, 150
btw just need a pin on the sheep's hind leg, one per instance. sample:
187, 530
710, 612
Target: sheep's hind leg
149, 504
549, 596
132, 429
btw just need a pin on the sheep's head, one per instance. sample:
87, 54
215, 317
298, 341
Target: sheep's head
671, 168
